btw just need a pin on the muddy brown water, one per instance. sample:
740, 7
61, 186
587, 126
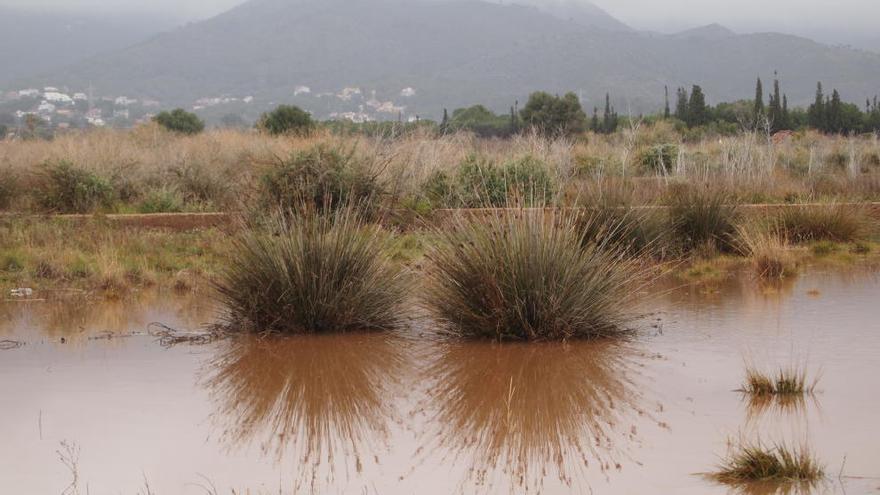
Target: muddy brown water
374, 413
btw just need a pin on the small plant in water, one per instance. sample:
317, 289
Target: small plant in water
769, 252
528, 275
751, 462
311, 272
787, 381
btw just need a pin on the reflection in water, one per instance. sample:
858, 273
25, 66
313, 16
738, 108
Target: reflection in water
790, 408
523, 412
71, 316
325, 399
778, 488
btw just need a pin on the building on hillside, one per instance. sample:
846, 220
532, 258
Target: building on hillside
46, 109
56, 97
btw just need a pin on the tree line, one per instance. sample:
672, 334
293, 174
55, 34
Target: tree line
555, 115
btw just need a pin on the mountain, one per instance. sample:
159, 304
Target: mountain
405, 57
580, 12
710, 32
37, 42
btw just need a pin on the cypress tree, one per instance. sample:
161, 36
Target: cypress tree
816, 113
774, 110
609, 119
666, 112
444, 124
698, 112
835, 113
514, 121
681, 105
786, 117
759, 101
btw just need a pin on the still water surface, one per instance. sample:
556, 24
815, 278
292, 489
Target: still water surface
375, 413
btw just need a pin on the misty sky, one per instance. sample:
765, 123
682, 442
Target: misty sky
793, 16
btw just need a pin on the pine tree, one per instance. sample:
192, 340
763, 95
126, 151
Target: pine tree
444, 124
594, 124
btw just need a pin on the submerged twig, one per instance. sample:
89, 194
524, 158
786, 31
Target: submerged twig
8, 345
170, 337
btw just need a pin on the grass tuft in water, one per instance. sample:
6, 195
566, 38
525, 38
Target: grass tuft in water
787, 381
769, 252
311, 273
750, 462
528, 275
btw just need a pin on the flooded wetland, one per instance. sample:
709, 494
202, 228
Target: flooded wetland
92, 403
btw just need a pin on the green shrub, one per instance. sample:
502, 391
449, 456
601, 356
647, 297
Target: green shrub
554, 115
322, 178
162, 200
197, 183
479, 183
526, 276
180, 121
66, 188
311, 273
660, 158
286, 119
439, 189
831, 222
703, 217
527, 179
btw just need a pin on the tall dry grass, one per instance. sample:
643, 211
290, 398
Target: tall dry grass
220, 169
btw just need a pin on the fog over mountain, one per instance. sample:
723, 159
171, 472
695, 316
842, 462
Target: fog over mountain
390, 57
35, 42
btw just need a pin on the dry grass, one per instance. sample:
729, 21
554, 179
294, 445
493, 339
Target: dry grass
768, 251
832, 222
221, 169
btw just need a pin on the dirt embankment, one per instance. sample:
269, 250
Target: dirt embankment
192, 221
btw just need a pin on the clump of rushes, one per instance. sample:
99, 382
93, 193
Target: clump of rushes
636, 230
527, 275
747, 463
310, 273
787, 381
703, 216
833, 222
